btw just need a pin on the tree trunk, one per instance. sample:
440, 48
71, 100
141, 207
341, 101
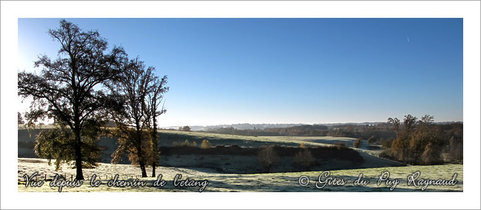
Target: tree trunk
155, 157
78, 154
153, 169
139, 153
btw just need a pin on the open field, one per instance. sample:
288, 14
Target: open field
219, 182
167, 138
170, 137
371, 167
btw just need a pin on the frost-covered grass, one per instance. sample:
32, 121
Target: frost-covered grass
270, 182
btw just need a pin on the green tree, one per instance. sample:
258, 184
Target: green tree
67, 89
56, 144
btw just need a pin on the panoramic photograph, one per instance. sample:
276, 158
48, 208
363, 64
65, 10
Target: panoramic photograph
240, 105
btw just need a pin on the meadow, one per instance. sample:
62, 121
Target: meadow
261, 182
371, 169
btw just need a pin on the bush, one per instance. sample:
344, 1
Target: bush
455, 151
303, 159
268, 157
186, 143
340, 145
302, 145
386, 154
372, 140
431, 154
386, 144
357, 143
205, 144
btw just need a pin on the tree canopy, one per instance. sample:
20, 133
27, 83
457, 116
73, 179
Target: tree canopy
69, 87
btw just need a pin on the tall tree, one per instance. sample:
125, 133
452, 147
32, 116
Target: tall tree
155, 98
133, 118
68, 87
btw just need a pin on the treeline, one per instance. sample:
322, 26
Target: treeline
420, 141
88, 89
378, 132
413, 141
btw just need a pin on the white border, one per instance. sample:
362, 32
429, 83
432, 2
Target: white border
10, 11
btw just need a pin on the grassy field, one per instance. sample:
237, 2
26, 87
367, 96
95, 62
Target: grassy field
270, 182
371, 169
168, 137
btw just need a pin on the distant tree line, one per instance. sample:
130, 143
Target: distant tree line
85, 90
378, 132
413, 141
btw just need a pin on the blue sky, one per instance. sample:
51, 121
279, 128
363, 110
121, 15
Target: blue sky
224, 71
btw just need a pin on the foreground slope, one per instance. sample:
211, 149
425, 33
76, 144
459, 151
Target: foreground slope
267, 182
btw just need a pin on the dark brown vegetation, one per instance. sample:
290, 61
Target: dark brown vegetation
303, 159
322, 153
423, 142
357, 143
263, 159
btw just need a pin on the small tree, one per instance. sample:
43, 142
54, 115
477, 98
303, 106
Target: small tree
205, 144
133, 116
268, 157
371, 140
303, 159
357, 143
56, 144
155, 97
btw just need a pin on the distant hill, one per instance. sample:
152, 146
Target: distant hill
239, 126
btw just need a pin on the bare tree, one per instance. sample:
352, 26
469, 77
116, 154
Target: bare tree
155, 97
65, 90
133, 118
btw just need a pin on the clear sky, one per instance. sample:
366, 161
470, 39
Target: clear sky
224, 71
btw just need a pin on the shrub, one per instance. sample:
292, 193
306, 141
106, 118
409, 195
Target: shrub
186, 143
357, 143
431, 154
386, 144
268, 157
371, 140
303, 159
386, 154
205, 144
455, 151
302, 145
340, 145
